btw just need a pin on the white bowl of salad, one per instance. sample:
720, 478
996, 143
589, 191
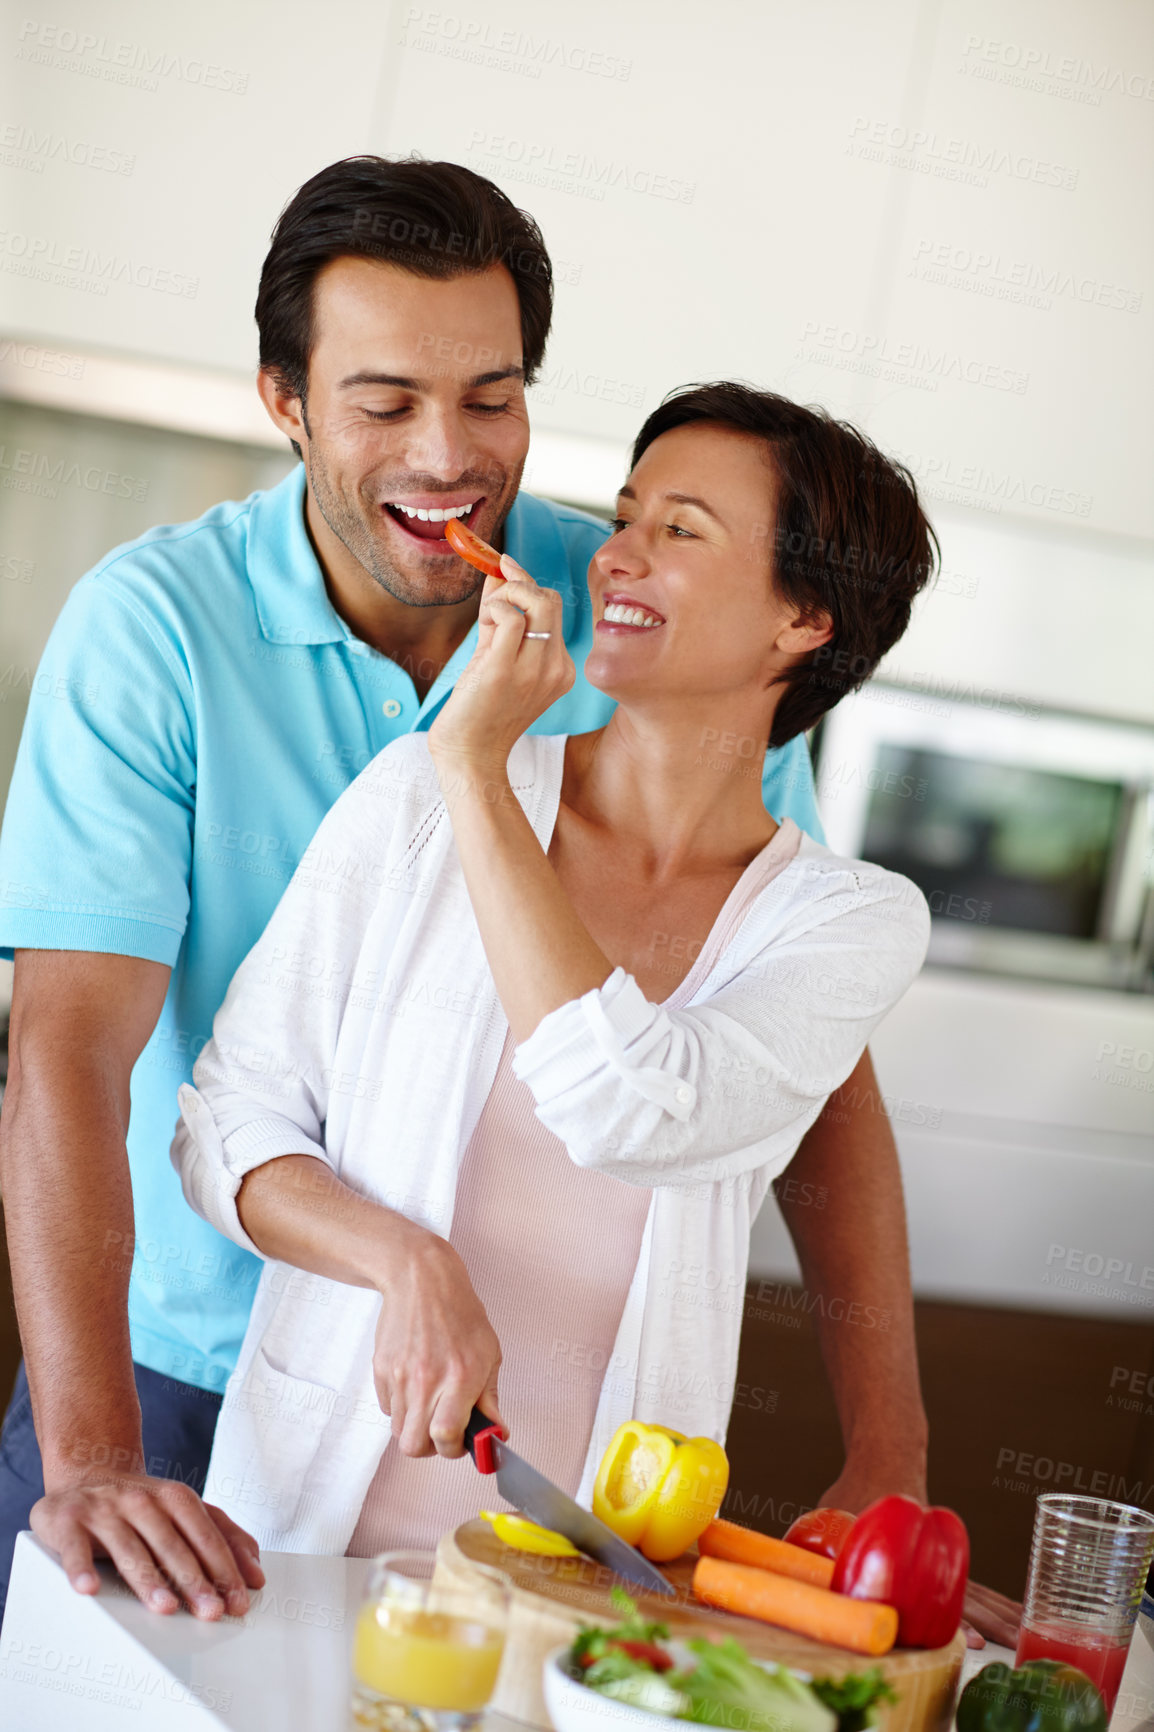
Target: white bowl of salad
630, 1676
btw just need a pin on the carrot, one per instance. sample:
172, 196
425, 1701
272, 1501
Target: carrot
866, 1626
740, 1545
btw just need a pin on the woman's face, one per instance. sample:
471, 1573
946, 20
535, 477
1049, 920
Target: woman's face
692, 554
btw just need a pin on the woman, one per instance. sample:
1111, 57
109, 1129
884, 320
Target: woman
548, 1014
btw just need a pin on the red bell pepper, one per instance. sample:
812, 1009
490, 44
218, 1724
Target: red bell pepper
912, 1558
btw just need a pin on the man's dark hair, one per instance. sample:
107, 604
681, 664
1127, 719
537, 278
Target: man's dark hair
435, 219
850, 536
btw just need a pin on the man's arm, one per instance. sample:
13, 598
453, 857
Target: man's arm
854, 1254
79, 1023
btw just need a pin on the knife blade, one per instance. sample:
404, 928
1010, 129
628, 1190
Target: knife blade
542, 1501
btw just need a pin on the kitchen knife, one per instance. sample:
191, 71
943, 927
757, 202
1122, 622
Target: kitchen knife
536, 1497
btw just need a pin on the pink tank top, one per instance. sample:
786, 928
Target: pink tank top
551, 1249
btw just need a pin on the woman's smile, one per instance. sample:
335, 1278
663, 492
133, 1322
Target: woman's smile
622, 614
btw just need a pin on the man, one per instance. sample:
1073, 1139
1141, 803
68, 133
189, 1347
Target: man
226, 680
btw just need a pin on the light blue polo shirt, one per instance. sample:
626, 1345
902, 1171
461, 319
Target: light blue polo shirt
199, 707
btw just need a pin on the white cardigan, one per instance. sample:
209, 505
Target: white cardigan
364, 1028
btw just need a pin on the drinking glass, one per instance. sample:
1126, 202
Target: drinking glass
426, 1654
1088, 1562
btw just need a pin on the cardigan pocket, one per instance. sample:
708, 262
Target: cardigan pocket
267, 1439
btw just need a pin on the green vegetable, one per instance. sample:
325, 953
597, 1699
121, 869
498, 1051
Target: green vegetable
854, 1698
1041, 1696
649, 1690
726, 1688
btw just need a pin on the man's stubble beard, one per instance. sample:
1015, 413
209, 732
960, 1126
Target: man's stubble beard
350, 527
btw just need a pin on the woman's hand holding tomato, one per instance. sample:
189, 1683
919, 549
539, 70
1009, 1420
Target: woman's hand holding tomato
511, 679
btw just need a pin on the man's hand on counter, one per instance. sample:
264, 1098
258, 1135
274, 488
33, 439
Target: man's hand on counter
987, 1615
169, 1547
990, 1616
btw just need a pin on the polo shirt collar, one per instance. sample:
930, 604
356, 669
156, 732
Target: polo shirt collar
287, 582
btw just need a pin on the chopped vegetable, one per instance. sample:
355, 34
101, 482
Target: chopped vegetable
862, 1625
1040, 1696
472, 548
658, 1489
723, 1687
726, 1688
743, 1546
526, 1536
592, 1644
823, 1531
913, 1558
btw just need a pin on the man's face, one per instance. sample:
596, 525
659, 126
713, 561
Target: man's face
416, 403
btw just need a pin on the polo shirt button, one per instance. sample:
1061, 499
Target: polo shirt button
684, 1093
391, 708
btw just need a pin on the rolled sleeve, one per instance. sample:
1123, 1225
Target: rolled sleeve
213, 1167
663, 1097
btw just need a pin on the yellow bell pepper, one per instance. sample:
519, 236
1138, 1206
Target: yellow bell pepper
526, 1536
658, 1489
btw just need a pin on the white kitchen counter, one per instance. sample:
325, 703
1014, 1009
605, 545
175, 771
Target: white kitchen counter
76, 1663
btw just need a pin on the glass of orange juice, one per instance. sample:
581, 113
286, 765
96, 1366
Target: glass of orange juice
426, 1654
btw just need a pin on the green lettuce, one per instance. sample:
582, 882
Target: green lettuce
726, 1688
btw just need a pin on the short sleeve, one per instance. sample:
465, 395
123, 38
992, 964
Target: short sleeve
97, 841
787, 787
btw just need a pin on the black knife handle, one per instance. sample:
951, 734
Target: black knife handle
479, 1435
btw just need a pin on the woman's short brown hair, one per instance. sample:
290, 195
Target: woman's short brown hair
850, 536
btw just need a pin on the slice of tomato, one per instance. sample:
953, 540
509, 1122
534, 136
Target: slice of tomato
647, 1652
823, 1531
471, 548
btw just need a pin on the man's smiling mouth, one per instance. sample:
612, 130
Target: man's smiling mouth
425, 521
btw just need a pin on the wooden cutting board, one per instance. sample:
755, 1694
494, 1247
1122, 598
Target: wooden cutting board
552, 1597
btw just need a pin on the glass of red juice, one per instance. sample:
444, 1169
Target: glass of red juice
1088, 1563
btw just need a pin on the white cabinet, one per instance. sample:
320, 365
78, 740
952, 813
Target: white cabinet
1024, 1118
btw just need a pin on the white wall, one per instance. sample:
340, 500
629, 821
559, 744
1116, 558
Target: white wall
1023, 1120
725, 189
